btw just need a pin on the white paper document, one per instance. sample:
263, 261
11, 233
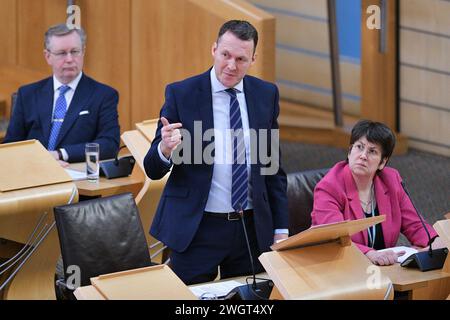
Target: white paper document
76, 175
408, 251
214, 289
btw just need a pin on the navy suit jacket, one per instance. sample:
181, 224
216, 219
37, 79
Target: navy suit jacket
184, 197
98, 121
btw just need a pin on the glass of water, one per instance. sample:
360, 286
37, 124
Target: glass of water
92, 161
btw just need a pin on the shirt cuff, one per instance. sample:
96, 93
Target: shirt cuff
163, 157
64, 154
281, 231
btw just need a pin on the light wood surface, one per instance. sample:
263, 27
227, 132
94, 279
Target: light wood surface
328, 271
422, 285
136, 46
315, 8
323, 263
172, 40
327, 232
20, 211
107, 187
378, 76
151, 283
30, 154
14, 76
424, 70
108, 54
431, 15
91, 293
442, 227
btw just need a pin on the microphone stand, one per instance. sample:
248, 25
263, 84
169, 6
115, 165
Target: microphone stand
425, 261
257, 290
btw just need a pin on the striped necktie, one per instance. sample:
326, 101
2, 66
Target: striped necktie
239, 184
58, 117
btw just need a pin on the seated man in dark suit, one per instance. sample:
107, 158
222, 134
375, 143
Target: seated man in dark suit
69, 109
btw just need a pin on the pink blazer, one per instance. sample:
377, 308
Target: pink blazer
336, 199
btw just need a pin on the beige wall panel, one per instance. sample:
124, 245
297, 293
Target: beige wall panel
302, 33
425, 50
108, 57
315, 8
306, 97
8, 24
424, 86
429, 147
303, 68
161, 49
172, 40
316, 71
429, 15
425, 123
33, 19
321, 101
350, 78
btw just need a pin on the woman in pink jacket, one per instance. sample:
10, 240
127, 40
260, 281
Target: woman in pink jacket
364, 187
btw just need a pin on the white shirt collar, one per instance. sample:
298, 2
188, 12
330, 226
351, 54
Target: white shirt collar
72, 84
217, 86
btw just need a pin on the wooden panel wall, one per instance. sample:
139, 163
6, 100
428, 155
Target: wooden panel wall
378, 78
170, 45
136, 46
425, 74
33, 19
108, 50
303, 71
7, 28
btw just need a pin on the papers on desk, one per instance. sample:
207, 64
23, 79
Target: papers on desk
408, 251
76, 175
214, 289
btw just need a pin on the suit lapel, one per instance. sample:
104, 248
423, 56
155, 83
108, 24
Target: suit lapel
251, 103
384, 208
204, 101
82, 94
353, 198
45, 108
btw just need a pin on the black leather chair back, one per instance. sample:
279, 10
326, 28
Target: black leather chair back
300, 192
101, 236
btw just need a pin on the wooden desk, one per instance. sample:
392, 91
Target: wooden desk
107, 187
429, 285
90, 293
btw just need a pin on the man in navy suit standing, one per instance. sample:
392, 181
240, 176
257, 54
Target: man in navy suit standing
205, 201
69, 109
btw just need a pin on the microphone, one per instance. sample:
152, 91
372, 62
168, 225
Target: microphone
425, 261
116, 167
257, 290
116, 159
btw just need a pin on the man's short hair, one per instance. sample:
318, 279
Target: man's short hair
62, 30
243, 30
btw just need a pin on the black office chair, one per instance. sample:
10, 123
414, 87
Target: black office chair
99, 236
300, 193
